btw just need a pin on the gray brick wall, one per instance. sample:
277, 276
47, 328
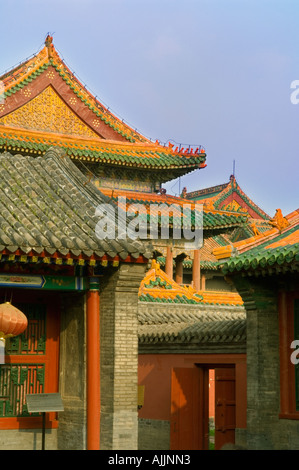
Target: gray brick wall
153, 434
119, 358
27, 439
265, 430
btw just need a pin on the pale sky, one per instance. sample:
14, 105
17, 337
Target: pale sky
212, 72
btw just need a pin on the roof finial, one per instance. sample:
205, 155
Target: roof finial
49, 44
233, 177
49, 40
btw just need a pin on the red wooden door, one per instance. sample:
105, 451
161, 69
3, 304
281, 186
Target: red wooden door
189, 409
225, 406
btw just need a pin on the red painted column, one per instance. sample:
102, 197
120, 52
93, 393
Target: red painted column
196, 270
202, 282
179, 270
169, 262
93, 366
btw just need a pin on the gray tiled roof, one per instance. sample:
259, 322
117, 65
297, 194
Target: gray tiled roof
46, 203
196, 325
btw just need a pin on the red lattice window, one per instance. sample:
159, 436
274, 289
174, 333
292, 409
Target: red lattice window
289, 371
31, 365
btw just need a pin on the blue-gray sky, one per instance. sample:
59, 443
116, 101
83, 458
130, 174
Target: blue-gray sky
211, 72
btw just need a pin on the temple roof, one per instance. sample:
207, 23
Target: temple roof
46, 105
48, 210
158, 287
275, 251
228, 196
212, 218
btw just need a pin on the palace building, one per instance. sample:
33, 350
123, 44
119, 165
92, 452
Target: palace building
145, 340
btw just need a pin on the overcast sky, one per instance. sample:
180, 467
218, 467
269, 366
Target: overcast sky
212, 72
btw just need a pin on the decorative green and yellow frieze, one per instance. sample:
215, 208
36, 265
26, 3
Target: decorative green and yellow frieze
69, 283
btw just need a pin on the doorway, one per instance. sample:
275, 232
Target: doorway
192, 427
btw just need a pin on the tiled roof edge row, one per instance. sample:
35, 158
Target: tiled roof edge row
151, 158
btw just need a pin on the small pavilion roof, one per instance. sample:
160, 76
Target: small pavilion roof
158, 287
228, 196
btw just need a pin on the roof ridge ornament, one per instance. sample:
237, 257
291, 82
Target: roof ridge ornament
49, 45
209, 205
279, 221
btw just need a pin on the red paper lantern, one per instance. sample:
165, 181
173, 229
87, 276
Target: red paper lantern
12, 321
